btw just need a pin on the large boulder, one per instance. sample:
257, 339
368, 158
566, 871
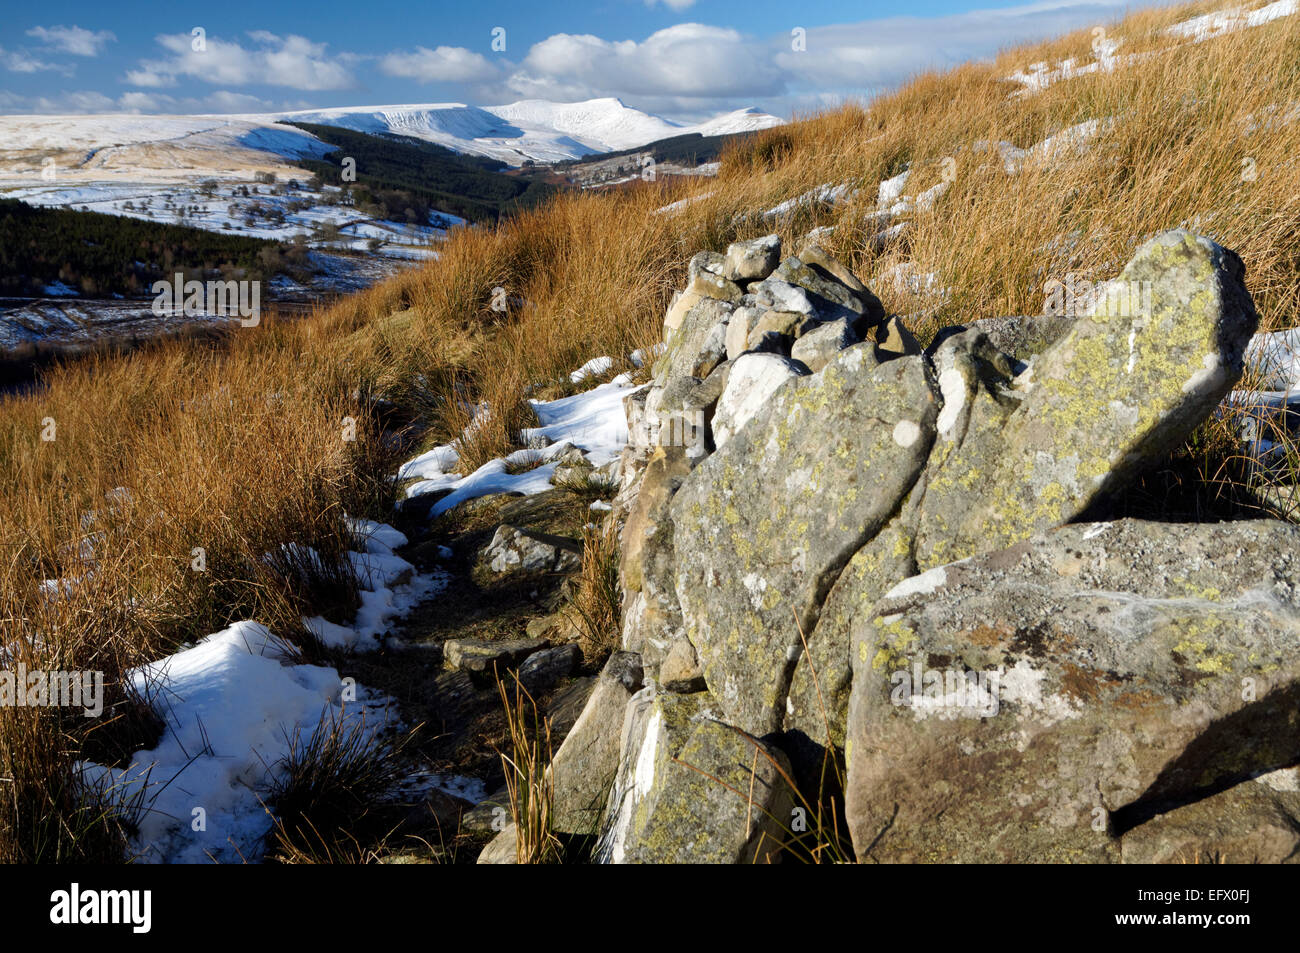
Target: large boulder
1255, 822
1037, 703
763, 526
753, 378
652, 619
691, 789
584, 767
1155, 354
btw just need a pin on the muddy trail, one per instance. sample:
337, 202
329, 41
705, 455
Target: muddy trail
442, 665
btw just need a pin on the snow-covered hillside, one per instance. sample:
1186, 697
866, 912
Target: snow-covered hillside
531, 129
167, 147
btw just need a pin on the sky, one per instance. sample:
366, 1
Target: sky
683, 59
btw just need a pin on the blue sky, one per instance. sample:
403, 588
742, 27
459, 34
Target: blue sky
682, 58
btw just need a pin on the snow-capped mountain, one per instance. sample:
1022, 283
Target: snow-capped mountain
531, 129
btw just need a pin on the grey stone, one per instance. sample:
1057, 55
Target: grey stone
1031, 705
753, 260
763, 527
521, 550
541, 670
818, 346
475, 655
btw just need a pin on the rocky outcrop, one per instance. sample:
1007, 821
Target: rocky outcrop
831, 507
1037, 703
764, 526
692, 789
521, 550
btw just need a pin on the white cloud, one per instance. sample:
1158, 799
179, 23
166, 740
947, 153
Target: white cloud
291, 61
446, 64
878, 54
672, 4
73, 39
79, 101
692, 68
688, 61
222, 101
20, 61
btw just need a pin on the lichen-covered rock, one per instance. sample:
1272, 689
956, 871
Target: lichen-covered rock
691, 789
818, 704
521, 550
763, 526
753, 260
584, 767
1254, 822
1031, 704
753, 378
652, 616
1161, 347
482, 657
819, 345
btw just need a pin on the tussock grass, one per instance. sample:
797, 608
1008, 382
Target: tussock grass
597, 597
330, 784
236, 448
529, 783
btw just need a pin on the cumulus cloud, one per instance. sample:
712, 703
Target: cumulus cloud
693, 68
291, 61
877, 54
446, 64
20, 61
688, 60
73, 39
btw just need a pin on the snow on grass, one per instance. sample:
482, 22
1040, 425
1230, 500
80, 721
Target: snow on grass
1210, 25
596, 367
276, 212
826, 193
1197, 29
674, 207
231, 705
390, 588
593, 421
